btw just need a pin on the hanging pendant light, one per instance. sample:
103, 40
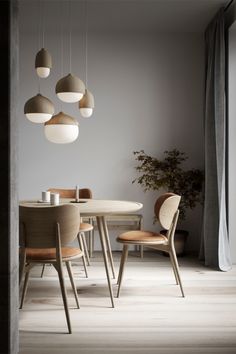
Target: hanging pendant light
39, 109
70, 89
61, 129
86, 104
43, 63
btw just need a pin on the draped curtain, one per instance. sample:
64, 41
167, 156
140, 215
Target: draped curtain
215, 242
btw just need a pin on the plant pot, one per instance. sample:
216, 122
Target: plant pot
179, 241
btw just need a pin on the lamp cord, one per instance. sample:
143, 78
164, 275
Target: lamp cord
39, 91
86, 44
62, 48
70, 35
62, 44
39, 39
39, 23
43, 25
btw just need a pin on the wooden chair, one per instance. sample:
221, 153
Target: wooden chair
84, 193
166, 211
44, 234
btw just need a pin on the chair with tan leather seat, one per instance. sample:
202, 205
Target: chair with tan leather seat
45, 233
84, 193
166, 211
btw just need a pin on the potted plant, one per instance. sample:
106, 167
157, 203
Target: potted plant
168, 174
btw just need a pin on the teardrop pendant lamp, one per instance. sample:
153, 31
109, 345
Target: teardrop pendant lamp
43, 63
39, 109
61, 129
70, 89
86, 104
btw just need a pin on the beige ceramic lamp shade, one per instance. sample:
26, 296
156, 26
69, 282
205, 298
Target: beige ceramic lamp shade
43, 63
70, 89
61, 129
86, 104
39, 109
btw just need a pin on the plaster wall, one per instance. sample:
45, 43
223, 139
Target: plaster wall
148, 90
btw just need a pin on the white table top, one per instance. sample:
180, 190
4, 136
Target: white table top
94, 207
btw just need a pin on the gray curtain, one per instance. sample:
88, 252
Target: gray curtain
215, 242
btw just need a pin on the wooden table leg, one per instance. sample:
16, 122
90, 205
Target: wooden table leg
106, 234
103, 244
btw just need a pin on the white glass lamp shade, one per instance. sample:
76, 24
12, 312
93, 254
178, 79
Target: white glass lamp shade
69, 97
43, 63
39, 109
86, 112
86, 104
43, 72
61, 129
38, 117
70, 89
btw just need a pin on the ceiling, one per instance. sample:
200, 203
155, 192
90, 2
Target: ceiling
121, 15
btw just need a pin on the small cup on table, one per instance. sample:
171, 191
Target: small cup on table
54, 199
46, 196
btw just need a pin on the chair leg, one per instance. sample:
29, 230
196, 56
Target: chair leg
173, 267
43, 269
85, 248
91, 239
81, 245
175, 262
141, 251
122, 265
25, 286
58, 267
141, 247
69, 270
22, 261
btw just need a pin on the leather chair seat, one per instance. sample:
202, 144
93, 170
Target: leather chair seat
37, 254
84, 227
138, 236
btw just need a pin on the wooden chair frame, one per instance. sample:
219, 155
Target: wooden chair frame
167, 247
59, 238
84, 193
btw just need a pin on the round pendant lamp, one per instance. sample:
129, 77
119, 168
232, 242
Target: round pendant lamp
86, 104
61, 129
39, 109
70, 89
43, 63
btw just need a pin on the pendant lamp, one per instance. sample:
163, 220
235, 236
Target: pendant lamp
39, 109
61, 129
70, 89
43, 63
86, 104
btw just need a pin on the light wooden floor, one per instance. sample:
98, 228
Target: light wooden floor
150, 317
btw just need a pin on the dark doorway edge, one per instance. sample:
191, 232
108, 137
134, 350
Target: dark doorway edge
9, 47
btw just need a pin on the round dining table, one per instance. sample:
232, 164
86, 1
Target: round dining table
100, 209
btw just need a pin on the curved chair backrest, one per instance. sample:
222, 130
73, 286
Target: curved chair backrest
84, 193
165, 209
38, 225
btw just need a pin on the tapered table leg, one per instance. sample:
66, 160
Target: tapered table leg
108, 246
103, 244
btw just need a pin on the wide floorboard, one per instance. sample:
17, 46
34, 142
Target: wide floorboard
149, 317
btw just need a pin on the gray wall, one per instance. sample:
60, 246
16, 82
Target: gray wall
148, 90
